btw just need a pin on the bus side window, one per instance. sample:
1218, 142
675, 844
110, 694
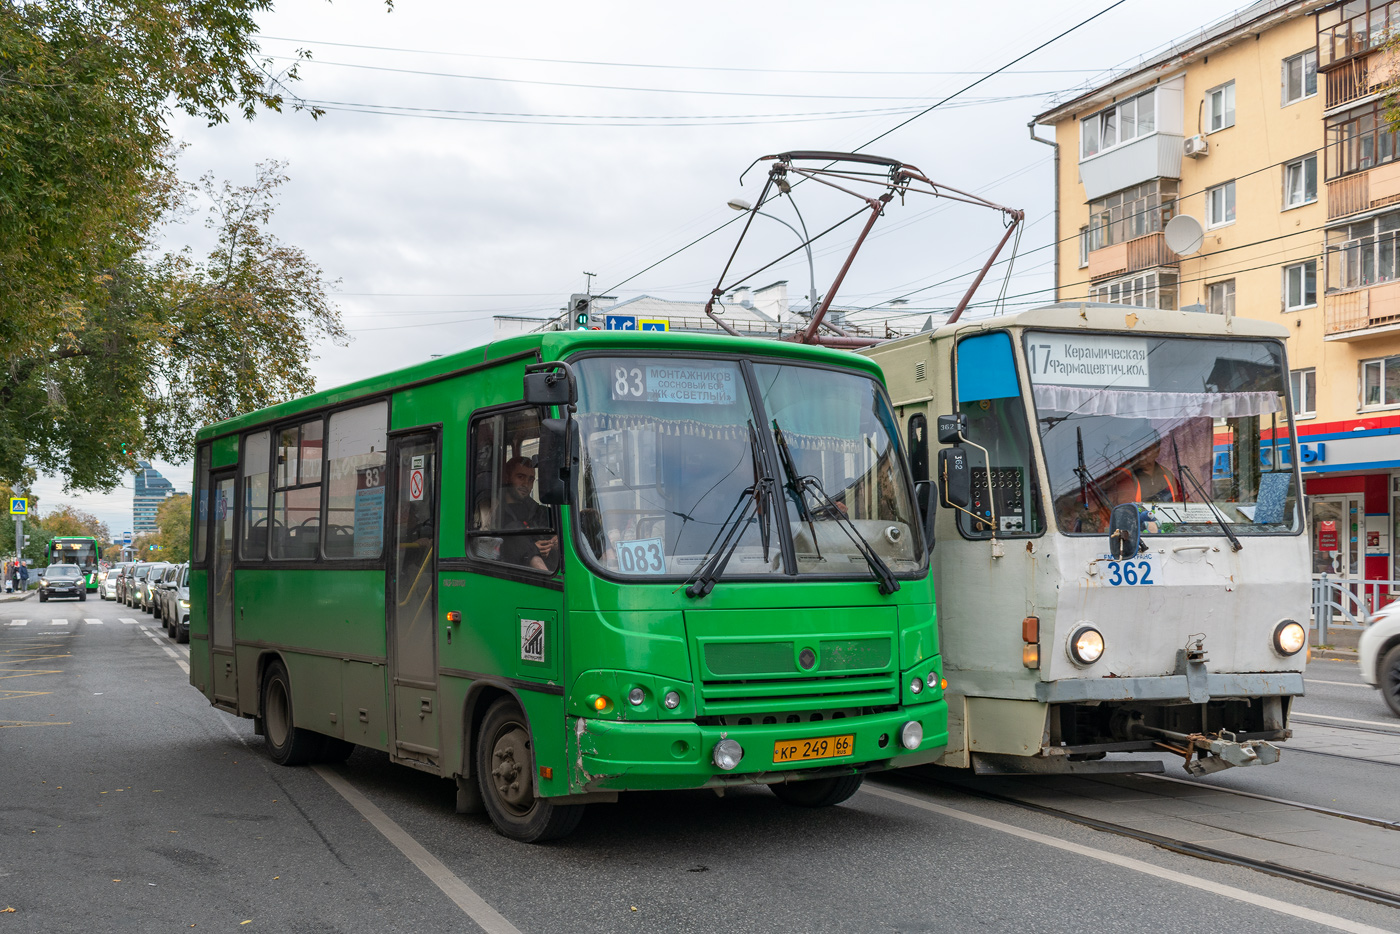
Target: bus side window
355, 462
296, 497
507, 523
989, 394
252, 468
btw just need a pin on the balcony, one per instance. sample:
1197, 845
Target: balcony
1363, 313
1363, 191
1358, 78
1131, 255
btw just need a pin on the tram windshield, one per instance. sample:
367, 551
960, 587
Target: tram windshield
673, 450
1195, 430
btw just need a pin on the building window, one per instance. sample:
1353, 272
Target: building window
1220, 107
1132, 212
1358, 140
1146, 290
1300, 285
1083, 247
1363, 253
1299, 76
1220, 205
1353, 28
1380, 383
1122, 123
1303, 384
1220, 298
1300, 182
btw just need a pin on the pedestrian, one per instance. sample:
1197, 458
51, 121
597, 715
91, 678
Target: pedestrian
9, 581
23, 577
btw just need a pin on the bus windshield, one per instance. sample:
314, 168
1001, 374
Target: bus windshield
81, 551
672, 450
1195, 430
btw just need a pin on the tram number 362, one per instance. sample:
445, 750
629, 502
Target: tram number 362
1130, 573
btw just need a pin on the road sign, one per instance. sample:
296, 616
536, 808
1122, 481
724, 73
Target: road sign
126, 538
19, 506
620, 323
655, 324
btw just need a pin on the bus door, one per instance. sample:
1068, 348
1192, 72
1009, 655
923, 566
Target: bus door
223, 673
411, 597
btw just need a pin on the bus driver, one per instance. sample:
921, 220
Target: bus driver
1144, 480
520, 511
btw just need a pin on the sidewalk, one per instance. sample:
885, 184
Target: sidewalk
16, 597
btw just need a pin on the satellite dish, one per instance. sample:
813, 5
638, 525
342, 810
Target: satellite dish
1184, 235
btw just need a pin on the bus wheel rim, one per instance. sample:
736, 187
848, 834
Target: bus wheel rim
510, 769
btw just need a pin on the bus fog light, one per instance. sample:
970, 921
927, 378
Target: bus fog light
912, 735
1289, 637
727, 755
917, 685
1086, 645
636, 696
672, 700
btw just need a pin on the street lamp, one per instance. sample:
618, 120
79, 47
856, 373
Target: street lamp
739, 204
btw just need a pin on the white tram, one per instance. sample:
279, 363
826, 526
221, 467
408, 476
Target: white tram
1120, 557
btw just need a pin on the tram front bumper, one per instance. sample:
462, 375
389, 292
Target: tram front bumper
1196, 685
615, 755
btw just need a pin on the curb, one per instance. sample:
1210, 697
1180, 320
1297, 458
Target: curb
1343, 655
11, 598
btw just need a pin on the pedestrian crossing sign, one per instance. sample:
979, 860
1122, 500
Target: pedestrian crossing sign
19, 506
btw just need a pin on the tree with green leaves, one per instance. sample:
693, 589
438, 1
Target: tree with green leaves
173, 525
104, 341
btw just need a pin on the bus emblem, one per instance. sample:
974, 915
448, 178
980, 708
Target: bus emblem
531, 640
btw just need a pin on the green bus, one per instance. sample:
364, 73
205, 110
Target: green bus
82, 550
570, 564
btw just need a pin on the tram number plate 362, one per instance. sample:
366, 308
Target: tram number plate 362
820, 747
1134, 573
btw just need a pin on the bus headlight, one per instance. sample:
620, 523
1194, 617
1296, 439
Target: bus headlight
727, 755
1289, 637
1086, 645
916, 685
672, 700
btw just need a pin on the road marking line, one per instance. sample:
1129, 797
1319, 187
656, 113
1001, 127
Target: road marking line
93, 622
19, 622
487, 918
58, 622
1320, 716
1137, 865
129, 622
1340, 684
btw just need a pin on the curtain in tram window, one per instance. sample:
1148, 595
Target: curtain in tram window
1128, 403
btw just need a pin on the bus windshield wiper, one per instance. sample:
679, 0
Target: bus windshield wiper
1220, 516
753, 503
801, 485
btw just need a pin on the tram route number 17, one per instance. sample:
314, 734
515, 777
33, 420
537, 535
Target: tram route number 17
1130, 573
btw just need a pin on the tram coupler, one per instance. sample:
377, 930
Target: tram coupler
1205, 753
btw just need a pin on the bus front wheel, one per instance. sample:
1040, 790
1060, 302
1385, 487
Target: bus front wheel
287, 744
818, 792
505, 770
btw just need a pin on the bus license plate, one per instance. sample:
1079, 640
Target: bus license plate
821, 747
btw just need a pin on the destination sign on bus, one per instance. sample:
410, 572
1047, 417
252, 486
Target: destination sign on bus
683, 383
1088, 360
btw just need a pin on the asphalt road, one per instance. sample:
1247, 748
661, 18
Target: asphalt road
129, 804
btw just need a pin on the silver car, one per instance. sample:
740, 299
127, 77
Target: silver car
175, 606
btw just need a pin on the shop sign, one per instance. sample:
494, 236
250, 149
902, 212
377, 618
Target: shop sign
1327, 535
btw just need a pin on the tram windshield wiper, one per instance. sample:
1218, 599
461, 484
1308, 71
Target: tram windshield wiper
1220, 516
802, 485
754, 504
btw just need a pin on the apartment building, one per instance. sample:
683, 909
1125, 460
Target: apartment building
1268, 129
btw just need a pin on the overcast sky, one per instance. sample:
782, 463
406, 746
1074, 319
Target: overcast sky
476, 159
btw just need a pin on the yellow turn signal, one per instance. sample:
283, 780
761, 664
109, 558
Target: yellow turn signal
601, 703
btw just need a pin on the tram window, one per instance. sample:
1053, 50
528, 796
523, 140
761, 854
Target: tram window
253, 466
355, 461
296, 498
989, 394
201, 526
507, 522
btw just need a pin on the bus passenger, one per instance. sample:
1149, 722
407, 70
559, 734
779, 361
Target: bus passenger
520, 511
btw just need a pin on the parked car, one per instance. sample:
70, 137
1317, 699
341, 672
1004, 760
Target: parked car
62, 580
1378, 653
175, 612
108, 587
146, 590
162, 583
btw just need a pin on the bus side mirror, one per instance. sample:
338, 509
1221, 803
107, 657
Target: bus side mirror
552, 465
951, 428
1124, 531
955, 477
923, 493
550, 384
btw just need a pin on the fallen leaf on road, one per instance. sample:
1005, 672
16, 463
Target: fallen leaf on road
6, 911
249, 921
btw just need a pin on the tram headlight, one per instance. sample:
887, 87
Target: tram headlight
1289, 637
1086, 645
727, 755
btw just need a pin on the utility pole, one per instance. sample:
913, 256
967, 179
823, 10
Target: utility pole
588, 282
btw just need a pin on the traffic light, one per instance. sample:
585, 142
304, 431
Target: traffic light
123, 447
579, 307
23, 541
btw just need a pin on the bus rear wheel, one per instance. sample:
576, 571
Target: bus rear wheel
818, 792
505, 770
287, 744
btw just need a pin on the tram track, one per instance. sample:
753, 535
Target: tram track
1315, 808
1184, 847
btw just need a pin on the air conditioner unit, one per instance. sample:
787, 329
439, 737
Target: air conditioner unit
1196, 146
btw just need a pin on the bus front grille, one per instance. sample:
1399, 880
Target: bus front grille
750, 696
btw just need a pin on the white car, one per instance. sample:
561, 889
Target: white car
1378, 652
